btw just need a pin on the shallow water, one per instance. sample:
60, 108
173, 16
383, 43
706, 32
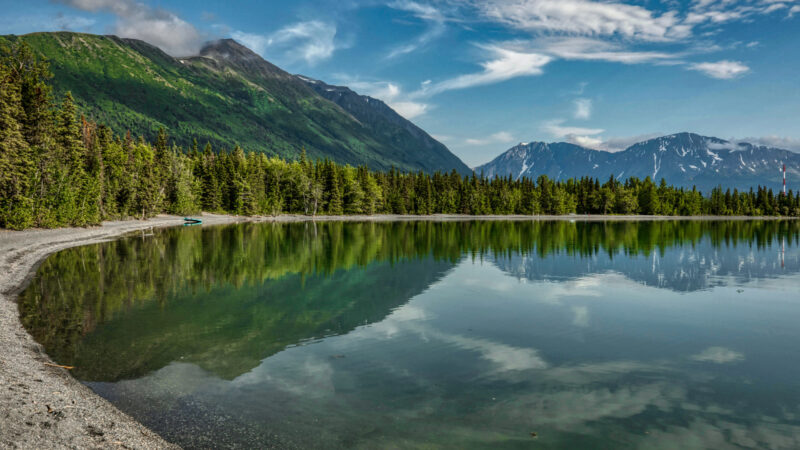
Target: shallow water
438, 335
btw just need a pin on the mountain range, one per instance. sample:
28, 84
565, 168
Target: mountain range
683, 159
228, 95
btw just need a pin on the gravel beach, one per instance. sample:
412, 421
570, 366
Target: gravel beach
43, 406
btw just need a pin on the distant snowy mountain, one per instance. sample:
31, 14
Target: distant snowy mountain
683, 159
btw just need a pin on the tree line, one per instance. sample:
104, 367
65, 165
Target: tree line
59, 169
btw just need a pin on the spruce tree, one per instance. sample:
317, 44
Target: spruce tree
210, 200
16, 209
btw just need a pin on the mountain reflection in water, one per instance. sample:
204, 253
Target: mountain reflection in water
455, 334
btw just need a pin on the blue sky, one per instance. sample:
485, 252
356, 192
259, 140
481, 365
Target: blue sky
483, 75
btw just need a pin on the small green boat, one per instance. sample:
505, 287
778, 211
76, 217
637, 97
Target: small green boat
191, 221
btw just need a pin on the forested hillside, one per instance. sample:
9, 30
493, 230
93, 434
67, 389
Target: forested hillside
226, 96
57, 169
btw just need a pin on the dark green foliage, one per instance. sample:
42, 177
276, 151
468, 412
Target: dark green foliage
61, 170
16, 162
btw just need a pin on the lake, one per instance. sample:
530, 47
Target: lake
474, 334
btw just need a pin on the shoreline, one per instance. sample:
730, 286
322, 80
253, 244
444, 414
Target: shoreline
42, 406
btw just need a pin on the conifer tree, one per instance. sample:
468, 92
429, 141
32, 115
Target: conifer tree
333, 192
210, 198
16, 208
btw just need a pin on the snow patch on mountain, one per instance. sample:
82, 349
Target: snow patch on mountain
682, 159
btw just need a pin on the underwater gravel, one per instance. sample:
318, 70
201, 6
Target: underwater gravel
43, 406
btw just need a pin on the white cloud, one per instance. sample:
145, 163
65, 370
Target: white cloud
556, 129
794, 10
312, 41
425, 12
506, 64
723, 70
715, 12
584, 141
391, 94
584, 18
409, 109
153, 25
583, 108
586, 30
520, 58
590, 30
255, 42
619, 143
590, 137
591, 49
585, 137
502, 137
423, 40
718, 355
782, 142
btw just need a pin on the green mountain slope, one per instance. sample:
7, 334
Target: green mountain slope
227, 95
388, 126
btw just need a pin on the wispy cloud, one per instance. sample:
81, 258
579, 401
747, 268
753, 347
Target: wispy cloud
723, 70
619, 143
585, 137
609, 31
782, 142
502, 137
593, 49
592, 137
311, 41
505, 64
584, 18
390, 93
557, 129
583, 108
715, 12
436, 28
409, 109
156, 26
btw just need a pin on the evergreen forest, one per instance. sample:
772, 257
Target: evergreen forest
59, 169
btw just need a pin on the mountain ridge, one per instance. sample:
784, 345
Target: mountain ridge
683, 159
383, 120
226, 95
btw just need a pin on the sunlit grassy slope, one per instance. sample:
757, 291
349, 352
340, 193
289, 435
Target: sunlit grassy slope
227, 95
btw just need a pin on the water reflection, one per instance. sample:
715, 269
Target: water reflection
452, 335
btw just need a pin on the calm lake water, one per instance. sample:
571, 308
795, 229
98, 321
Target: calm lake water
438, 335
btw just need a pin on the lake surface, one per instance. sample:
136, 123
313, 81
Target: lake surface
476, 334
